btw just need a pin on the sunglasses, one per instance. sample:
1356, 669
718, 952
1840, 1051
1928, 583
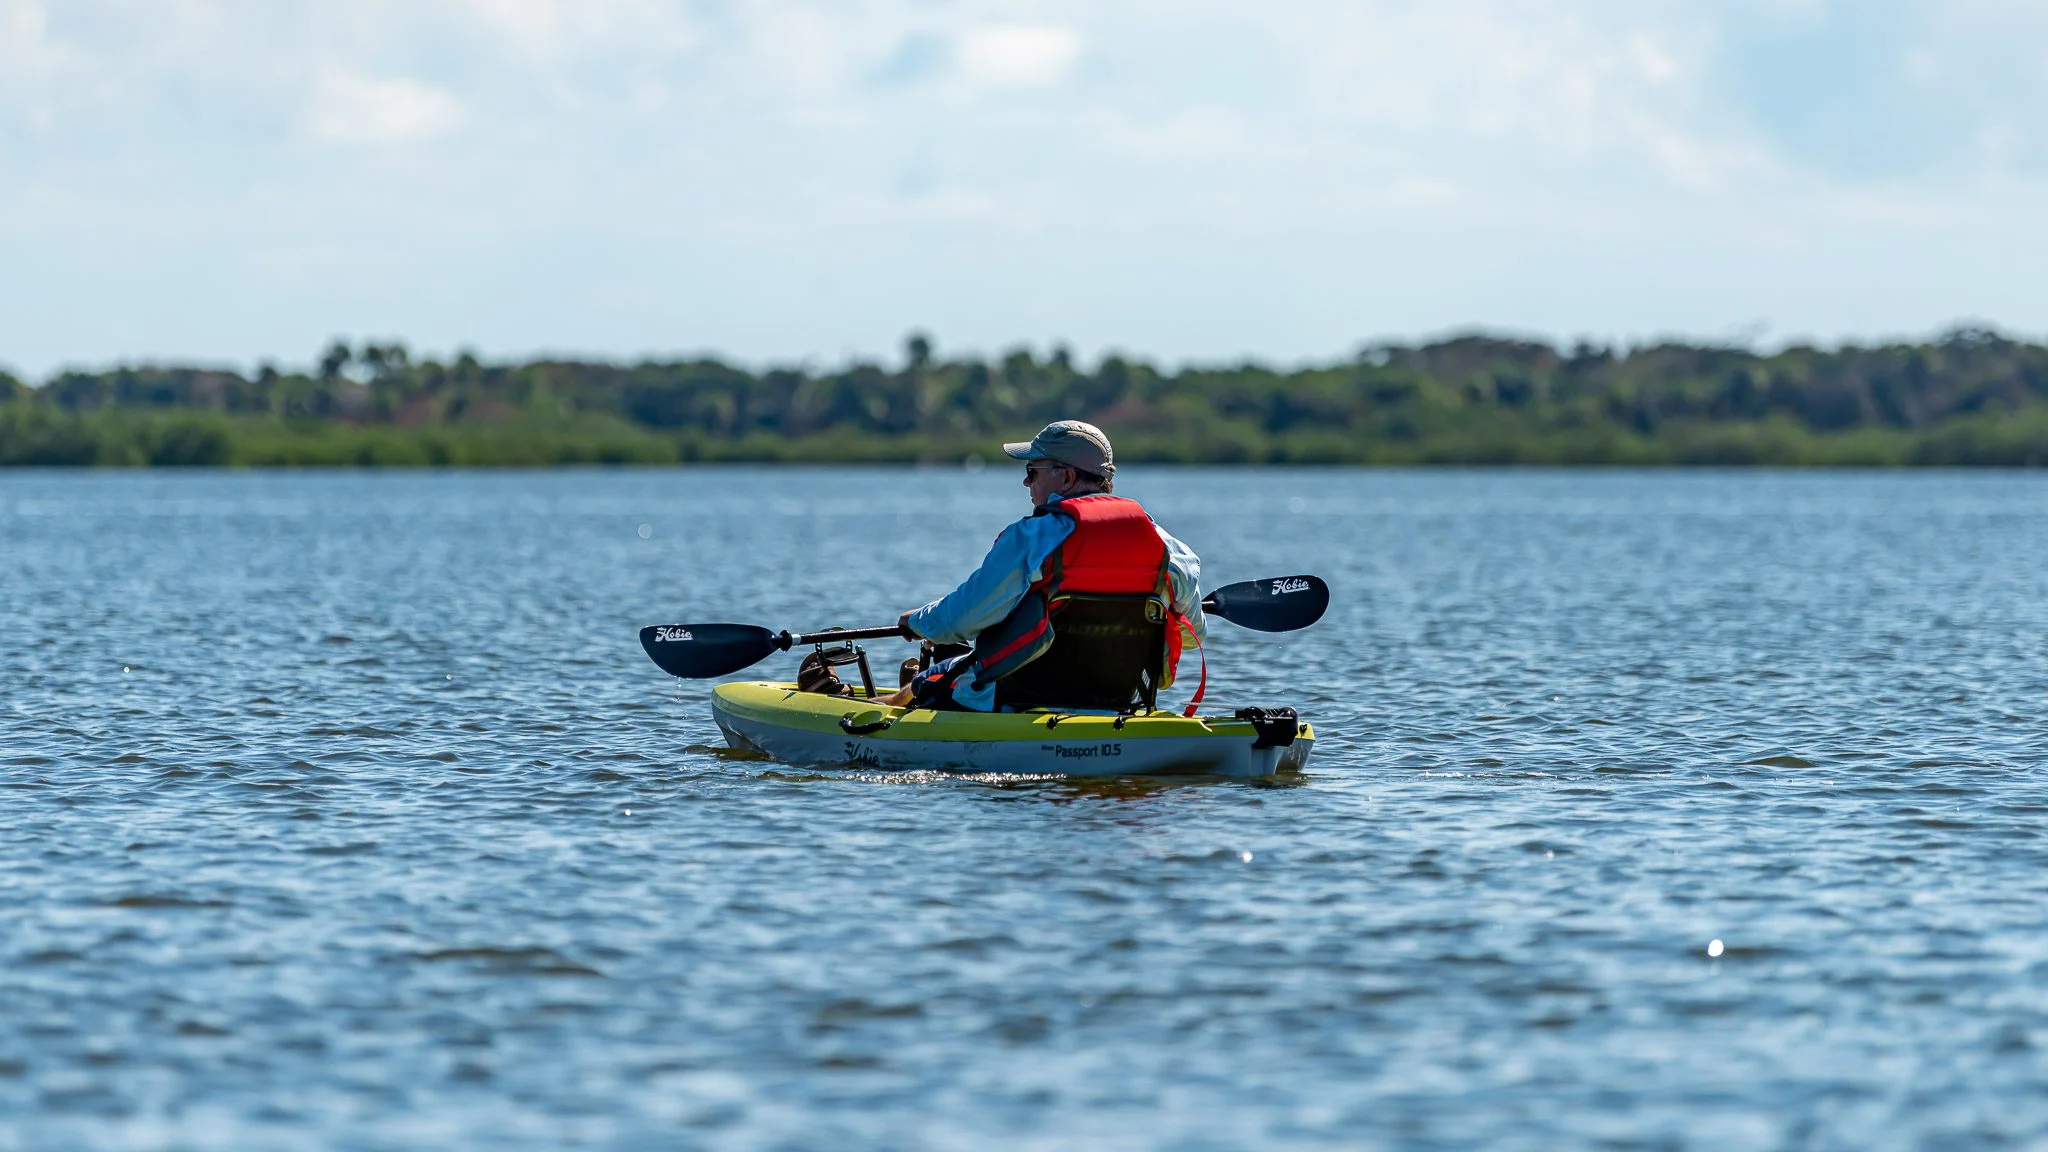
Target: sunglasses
1031, 469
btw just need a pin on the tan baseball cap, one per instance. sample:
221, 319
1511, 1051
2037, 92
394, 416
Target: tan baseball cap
1071, 442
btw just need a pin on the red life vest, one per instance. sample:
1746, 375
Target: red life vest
1114, 550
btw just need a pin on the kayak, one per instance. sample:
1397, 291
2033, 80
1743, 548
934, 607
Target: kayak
858, 730
810, 728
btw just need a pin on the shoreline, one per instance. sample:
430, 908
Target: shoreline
1972, 398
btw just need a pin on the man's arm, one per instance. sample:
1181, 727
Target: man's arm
1185, 571
982, 600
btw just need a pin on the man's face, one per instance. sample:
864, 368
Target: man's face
1046, 477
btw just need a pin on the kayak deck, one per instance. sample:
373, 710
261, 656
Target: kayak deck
808, 728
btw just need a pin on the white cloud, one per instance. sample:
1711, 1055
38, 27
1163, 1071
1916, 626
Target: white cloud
23, 27
29, 58
536, 23
1652, 61
1018, 55
352, 109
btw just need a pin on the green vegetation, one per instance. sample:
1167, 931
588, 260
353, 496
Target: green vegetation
1971, 397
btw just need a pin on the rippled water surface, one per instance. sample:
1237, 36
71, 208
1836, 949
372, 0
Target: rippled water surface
342, 810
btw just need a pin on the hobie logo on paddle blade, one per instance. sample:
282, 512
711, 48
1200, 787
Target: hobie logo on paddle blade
671, 635
1291, 584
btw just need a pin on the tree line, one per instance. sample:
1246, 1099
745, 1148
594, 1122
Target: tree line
1970, 396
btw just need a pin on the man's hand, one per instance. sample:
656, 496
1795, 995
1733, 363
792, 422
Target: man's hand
903, 626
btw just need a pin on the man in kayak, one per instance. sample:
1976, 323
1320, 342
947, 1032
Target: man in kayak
1085, 603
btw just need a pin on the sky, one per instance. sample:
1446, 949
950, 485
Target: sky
782, 181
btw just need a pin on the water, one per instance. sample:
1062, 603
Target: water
343, 811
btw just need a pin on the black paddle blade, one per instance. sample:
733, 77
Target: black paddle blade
699, 651
1281, 604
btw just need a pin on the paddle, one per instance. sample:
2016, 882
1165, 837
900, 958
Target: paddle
701, 651
1279, 604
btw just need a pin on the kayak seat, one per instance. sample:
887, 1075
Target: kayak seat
1108, 652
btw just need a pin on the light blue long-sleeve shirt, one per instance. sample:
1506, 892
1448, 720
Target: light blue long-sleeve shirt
1014, 563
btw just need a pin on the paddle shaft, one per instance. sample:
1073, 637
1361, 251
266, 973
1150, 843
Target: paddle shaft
835, 634
792, 639
702, 651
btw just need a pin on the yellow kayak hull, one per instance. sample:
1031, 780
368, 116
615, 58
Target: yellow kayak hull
796, 727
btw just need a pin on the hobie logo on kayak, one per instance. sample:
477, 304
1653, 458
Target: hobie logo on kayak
671, 635
1291, 584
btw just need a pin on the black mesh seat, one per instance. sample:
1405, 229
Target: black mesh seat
1107, 652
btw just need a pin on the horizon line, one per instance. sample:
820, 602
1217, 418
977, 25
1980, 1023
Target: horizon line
1747, 342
